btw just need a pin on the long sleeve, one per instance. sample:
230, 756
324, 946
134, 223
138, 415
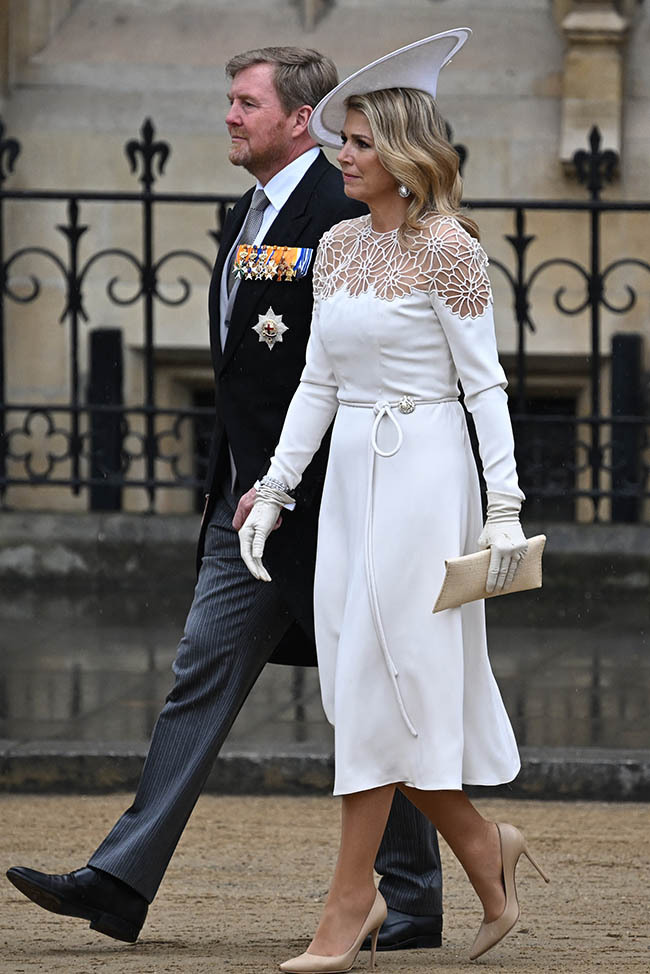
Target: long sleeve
462, 300
310, 412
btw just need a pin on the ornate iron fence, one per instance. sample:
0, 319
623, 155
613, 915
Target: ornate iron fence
601, 453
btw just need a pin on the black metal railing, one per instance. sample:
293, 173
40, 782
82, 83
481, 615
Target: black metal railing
90, 440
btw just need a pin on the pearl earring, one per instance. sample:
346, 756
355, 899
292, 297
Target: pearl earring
403, 191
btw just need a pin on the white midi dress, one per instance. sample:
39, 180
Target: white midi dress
396, 323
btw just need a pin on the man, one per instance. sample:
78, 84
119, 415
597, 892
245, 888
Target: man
260, 306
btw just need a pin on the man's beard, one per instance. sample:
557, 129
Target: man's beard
241, 154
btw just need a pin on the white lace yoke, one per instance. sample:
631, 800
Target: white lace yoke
439, 258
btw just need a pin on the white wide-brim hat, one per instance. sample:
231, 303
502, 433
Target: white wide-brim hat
415, 66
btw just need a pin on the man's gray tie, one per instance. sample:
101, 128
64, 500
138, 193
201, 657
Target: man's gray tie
250, 229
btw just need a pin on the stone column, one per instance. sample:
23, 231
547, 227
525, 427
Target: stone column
4, 48
593, 75
311, 12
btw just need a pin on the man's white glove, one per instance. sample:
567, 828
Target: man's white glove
503, 535
258, 526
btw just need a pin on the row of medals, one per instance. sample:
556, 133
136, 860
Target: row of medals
261, 264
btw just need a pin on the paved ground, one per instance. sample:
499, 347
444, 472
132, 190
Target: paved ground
244, 890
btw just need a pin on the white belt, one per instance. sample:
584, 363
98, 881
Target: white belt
383, 409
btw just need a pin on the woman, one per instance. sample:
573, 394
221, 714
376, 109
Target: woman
402, 310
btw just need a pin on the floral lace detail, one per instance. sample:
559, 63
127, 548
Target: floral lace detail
440, 257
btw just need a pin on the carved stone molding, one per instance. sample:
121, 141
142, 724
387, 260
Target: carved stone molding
29, 26
593, 75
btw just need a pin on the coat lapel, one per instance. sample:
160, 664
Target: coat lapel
230, 232
286, 228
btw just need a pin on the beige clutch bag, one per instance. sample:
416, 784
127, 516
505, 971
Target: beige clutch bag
465, 577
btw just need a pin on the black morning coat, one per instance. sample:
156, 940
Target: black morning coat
254, 386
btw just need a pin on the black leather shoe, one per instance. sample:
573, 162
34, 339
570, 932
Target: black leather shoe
402, 931
111, 906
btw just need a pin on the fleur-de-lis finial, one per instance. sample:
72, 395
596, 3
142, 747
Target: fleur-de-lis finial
150, 151
595, 168
9, 152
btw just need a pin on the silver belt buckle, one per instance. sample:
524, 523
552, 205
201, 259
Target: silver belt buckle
406, 404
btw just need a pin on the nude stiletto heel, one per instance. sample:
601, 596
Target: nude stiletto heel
373, 945
315, 964
513, 846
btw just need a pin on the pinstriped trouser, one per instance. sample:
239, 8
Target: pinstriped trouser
233, 626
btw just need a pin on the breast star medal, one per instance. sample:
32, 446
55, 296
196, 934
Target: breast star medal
270, 328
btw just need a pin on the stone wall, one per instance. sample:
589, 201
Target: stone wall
587, 567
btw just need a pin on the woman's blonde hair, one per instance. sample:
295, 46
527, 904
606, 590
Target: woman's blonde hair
410, 137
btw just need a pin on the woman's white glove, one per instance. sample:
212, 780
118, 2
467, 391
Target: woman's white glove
503, 535
258, 526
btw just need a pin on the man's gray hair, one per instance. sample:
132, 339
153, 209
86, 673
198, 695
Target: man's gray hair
302, 76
